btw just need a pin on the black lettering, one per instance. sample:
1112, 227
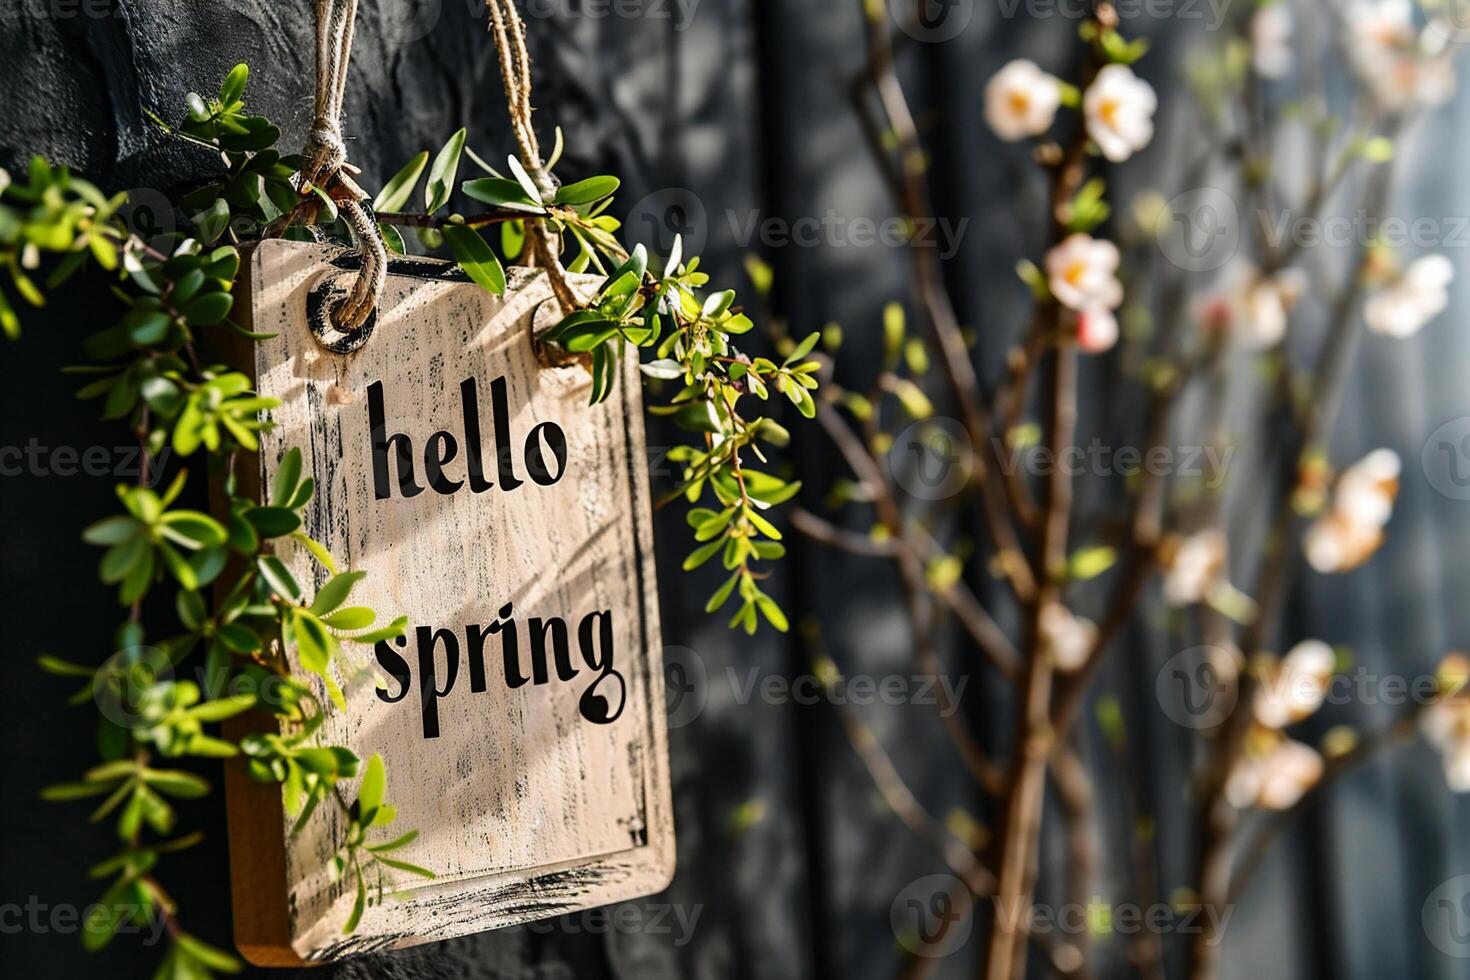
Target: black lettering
429, 692
601, 707
396, 667
535, 453
435, 459
469, 401
403, 447
505, 465
509, 653
558, 630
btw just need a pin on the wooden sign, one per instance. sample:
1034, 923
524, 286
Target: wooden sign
522, 721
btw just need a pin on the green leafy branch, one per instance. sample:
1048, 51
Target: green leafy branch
147, 371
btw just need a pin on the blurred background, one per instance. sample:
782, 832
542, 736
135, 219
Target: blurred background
734, 121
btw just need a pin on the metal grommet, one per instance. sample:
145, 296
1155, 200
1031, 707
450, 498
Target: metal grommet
325, 297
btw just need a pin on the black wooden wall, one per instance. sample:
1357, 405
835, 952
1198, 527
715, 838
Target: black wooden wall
715, 111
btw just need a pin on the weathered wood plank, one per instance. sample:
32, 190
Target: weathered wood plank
521, 717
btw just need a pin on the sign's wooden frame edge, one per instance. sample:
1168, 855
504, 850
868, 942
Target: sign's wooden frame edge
258, 881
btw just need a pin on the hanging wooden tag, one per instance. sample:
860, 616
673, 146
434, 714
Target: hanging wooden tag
522, 723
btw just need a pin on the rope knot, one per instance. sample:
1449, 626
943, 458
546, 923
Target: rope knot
325, 149
326, 167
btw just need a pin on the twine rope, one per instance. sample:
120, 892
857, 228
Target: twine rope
515, 74
326, 155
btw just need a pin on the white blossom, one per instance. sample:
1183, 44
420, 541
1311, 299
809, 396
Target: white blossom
1195, 566
1021, 100
1068, 638
1254, 306
1271, 29
1082, 274
1119, 109
1401, 66
1351, 530
1446, 723
1296, 687
1446, 726
1400, 307
1274, 778
1097, 330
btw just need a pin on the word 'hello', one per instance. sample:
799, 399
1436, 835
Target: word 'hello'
442, 448
601, 703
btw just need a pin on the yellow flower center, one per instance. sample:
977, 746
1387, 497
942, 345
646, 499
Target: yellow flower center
1019, 101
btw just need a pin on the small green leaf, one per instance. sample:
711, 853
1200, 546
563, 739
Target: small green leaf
399, 189
374, 785
587, 191
288, 475
475, 257
442, 173
501, 193
1089, 563
233, 87
273, 522
278, 577
335, 592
